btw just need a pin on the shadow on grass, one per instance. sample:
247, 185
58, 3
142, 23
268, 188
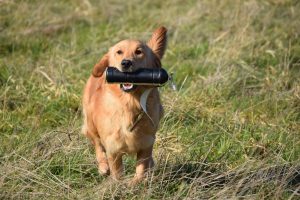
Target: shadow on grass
244, 180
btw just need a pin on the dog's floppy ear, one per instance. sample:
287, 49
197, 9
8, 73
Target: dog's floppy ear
158, 42
100, 67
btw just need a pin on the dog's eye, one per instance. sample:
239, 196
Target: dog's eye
120, 52
138, 52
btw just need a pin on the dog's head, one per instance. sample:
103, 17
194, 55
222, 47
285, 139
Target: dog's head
130, 55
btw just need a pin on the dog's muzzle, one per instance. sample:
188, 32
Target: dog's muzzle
126, 64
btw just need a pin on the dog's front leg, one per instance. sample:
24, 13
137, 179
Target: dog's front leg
101, 158
116, 165
103, 167
144, 162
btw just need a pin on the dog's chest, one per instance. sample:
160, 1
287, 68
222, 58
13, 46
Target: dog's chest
123, 139
120, 136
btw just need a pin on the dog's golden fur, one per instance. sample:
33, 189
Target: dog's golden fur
109, 111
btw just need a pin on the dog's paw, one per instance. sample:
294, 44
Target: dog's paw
104, 169
135, 181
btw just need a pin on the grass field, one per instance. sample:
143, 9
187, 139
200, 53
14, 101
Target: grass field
231, 131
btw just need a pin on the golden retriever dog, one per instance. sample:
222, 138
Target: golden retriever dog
114, 120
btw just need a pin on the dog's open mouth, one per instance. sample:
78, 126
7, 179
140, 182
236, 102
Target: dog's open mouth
128, 87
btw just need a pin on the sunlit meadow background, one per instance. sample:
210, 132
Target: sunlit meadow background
232, 130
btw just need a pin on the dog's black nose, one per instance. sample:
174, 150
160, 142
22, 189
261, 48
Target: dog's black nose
126, 63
